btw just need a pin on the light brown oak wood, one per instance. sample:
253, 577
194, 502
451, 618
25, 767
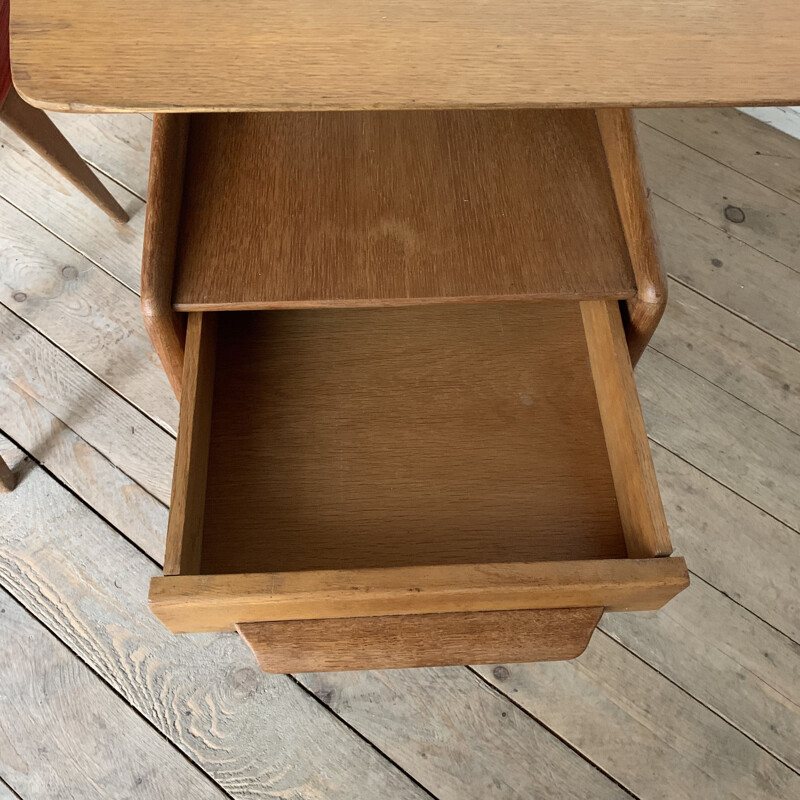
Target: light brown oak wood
193, 603
644, 311
420, 640
38, 130
167, 329
185, 531
268, 54
396, 436
380, 208
640, 508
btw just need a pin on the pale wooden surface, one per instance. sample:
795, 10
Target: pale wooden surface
196, 603
693, 701
267, 54
396, 209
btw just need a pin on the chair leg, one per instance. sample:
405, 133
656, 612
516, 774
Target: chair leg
38, 130
8, 479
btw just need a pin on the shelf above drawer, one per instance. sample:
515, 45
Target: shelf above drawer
299, 210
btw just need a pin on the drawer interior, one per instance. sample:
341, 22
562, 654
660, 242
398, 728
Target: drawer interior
353, 462
405, 436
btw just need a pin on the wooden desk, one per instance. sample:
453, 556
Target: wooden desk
459, 472
184, 55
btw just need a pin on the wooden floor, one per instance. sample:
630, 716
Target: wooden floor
700, 700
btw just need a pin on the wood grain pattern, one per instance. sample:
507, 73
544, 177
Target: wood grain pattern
185, 531
270, 55
34, 187
642, 312
36, 128
386, 437
195, 603
380, 208
167, 330
255, 735
731, 273
456, 744
640, 508
704, 187
616, 710
733, 354
420, 640
51, 701
117, 145
735, 444
735, 139
83, 310
139, 447
99, 482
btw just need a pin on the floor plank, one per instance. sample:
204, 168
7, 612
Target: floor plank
645, 731
735, 140
731, 273
139, 447
83, 310
256, 735
458, 737
6, 792
118, 145
732, 354
719, 532
65, 734
32, 185
724, 437
726, 658
705, 188
86, 471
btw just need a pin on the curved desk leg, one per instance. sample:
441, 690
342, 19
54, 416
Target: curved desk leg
643, 312
166, 327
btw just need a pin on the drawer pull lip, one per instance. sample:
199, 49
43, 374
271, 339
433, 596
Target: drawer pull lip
192, 603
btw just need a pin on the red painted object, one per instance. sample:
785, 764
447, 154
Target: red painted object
5, 61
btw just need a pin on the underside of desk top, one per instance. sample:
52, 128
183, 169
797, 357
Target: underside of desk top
162, 55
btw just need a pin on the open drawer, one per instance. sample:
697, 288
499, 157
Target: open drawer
417, 485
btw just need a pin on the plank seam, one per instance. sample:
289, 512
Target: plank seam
360, 735
68, 244
717, 161
107, 684
552, 731
686, 692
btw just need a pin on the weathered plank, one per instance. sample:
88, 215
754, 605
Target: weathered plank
63, 733
736, 140
651, 736
719, 533
118, 145
83, 310
732, 354
725, 438
6, 792
726, 658
95, 479
255, 735
139, 447
36, 188
457, 736
756, 214
730, 272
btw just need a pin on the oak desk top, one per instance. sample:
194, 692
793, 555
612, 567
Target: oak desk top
156, 55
